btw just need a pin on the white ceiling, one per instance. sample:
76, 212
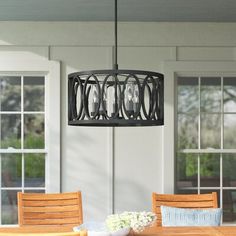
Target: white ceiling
128, 10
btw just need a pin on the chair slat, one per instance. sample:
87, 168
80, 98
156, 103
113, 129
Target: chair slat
197, 204
65, 221
185, 197
194, 201
51, 196
29, 203
57, 215
50, 209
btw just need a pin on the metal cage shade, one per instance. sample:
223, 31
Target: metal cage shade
115, 98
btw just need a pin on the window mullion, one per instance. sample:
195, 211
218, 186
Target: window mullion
221, 184
199, 132
210, 150
0, 188
222, 115
0, 162
198, 173
23, 150
22, 113
22, 132
23, 172
199, 113
221, 145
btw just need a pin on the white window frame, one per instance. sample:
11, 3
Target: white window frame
172, 70
51, 70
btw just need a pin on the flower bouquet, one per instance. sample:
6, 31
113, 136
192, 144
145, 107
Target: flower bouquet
118, 224
132, 220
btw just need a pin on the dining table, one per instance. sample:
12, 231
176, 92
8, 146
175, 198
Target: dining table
151, 231
186, 230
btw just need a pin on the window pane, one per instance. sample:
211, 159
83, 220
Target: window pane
209, 170
187, 170
33, 93
34, 170
10, 127
10, 93
202, 191
229, 167
11, 170
9, 206
187, 191
230, 94
210, 131
188, 94
229, 206
229, 131
187, 131
210, 94
34, 131
34, 191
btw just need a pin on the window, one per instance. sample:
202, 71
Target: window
22, 140
29, 128
206, 144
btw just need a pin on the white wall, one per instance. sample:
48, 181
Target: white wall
143, 162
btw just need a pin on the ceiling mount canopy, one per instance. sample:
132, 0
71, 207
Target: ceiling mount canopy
116, 97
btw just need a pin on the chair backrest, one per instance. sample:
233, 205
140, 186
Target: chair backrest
50, 208
183, 201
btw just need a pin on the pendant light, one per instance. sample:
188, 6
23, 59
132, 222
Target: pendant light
115, 97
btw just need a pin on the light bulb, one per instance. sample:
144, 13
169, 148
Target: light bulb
113, 94
129, 97
95, 99
95, 94
136, 98
136, 94
113, 98
129, 92
104, 96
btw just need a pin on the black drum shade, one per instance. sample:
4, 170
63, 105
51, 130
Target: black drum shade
116, 98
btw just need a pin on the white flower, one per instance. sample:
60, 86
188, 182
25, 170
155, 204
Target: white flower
136, 220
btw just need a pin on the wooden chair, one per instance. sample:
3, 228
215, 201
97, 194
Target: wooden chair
182, 201
50, 209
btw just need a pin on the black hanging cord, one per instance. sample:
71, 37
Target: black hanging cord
115, 66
